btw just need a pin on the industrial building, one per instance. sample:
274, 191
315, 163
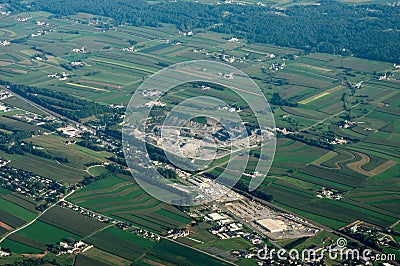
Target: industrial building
272, 225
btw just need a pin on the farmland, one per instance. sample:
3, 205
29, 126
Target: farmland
125, 200
337, 119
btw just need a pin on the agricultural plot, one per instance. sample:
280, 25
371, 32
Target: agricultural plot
16, 210
22, 201
19, 247
71, 221
49, 169
109, 242
105, 257
83, 260
365, 170
46, 233
77, 156
125, 200
175, 254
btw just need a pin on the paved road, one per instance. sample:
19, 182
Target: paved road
393, 225
43, 109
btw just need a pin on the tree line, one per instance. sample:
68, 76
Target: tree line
367, 31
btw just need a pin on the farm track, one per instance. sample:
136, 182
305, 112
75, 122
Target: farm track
34, 220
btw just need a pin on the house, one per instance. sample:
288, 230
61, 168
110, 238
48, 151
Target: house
4, 254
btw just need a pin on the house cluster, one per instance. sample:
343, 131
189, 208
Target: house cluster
4, 254
147, 234
72, 248
130, 49
23, 19
201, 51
105, 219
347, 124
284, 131
99, 217
42, 23
177, 233
4, 162
362, 231
329, 194
39, 57
277, 66
229, 58
39, 33
78, 64
4, 108
5, 13
338, 141
224, 226
36, 187
230, 109
154, 103
34, 119
188, 33
5, 43
386, 76
5, 94
151, 93
78, 50
60, 76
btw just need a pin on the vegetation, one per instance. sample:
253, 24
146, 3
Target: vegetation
342, 29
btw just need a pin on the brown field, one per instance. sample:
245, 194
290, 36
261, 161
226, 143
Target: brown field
6, 226
324, 69
100, 83
35, 256
356, 166
383, 167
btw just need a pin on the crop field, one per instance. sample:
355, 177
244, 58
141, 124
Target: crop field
83, 260
49, 168
124, 248
16, 210
127, 201
21, 200
318, 97
101, 256
45, 233
19, 247
77, 156
71, 221
175, 254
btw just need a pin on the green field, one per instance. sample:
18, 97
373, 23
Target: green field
46, 233
318, 94
124, 200
17, 210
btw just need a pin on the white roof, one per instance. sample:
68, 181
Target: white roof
272, 225
216, 216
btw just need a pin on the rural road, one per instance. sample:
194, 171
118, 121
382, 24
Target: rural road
329, 117
393, 225
34, 220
